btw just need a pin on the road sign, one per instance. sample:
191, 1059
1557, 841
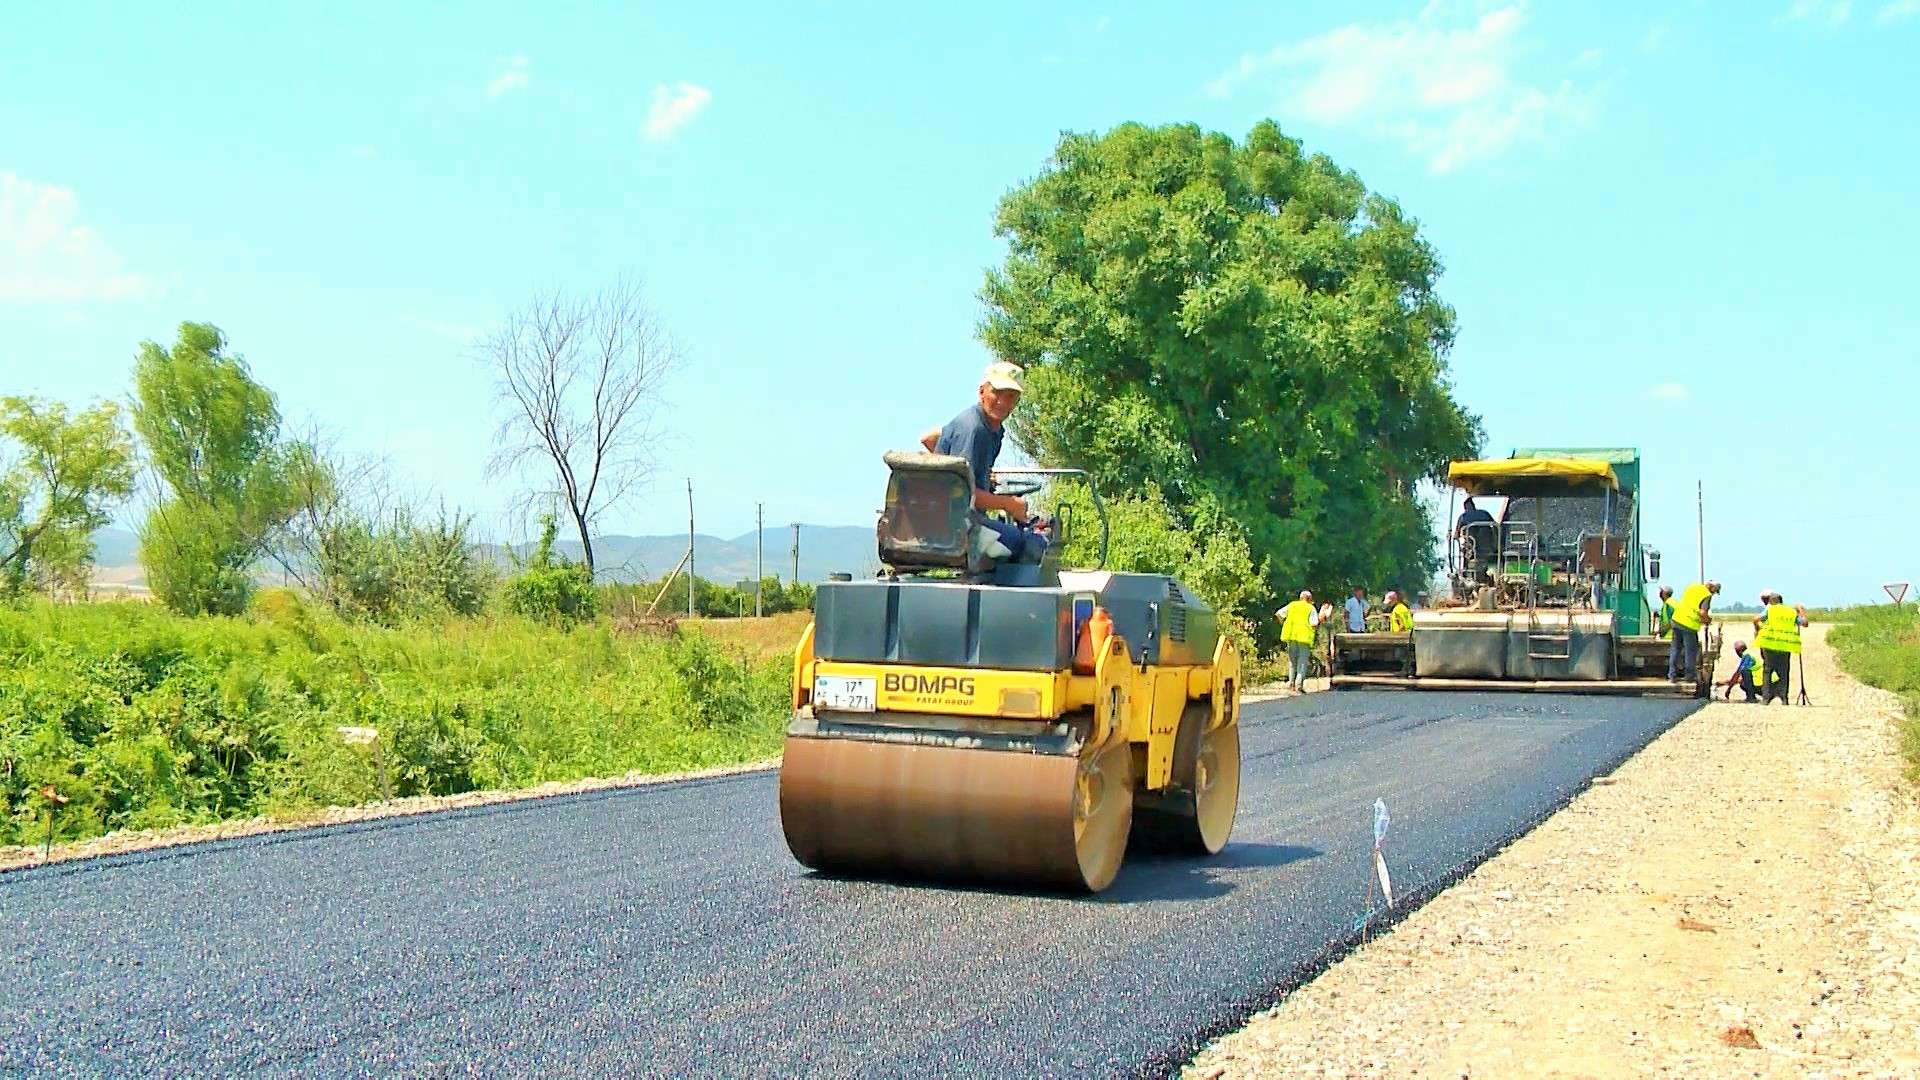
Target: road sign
1897, 590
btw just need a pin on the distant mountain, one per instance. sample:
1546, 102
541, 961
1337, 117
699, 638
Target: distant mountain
116, 547
824, 549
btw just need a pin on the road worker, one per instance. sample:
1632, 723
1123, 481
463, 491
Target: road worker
1298, 622
1357, 608
1399, 616
1746, 675
1690, 615
1663, 619
1779, 641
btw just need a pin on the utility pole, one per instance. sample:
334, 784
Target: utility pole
759, 557
796, 553
1700, 525
692, 580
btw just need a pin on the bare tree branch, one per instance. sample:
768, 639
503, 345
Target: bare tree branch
580, 380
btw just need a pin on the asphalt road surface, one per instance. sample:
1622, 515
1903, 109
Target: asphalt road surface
665, 930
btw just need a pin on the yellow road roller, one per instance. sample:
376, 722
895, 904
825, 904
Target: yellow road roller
974, 718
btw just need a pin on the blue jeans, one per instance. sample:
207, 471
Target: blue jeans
1683, 659
1018, 539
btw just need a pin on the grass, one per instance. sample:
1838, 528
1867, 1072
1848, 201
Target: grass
145, 719
772, 638
1880, 645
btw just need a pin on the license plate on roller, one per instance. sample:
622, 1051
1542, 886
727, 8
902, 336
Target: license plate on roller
848, 693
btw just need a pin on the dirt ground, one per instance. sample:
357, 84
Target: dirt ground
1740, 899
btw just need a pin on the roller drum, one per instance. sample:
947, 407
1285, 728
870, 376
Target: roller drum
953, 811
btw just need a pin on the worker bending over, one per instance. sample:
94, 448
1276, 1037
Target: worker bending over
1690, 615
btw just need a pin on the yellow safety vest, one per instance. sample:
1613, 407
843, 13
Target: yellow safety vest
1687, 612
1296, 623
1665, 626
1400, 619
1779, 630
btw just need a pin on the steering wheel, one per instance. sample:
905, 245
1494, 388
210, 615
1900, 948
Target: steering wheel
1021, 488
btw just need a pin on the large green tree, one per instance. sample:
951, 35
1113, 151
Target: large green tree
58, 475
213, 436
1242, 328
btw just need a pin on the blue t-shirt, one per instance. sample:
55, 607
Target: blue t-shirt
1356, 615
971, 436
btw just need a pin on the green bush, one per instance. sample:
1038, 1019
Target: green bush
197, 557
549, 587
144, 719
404, 568
1880, 646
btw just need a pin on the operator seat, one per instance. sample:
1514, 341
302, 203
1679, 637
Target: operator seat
929, 522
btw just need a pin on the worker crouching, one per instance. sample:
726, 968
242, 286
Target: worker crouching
1746, 675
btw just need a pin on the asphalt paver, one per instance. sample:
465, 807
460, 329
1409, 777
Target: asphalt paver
665, 930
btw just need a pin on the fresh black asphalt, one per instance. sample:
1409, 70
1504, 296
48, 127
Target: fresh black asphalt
665, 930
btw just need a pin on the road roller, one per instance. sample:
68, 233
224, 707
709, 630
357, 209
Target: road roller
975, 715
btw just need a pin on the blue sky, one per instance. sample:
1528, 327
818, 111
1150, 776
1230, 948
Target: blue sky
1686, 227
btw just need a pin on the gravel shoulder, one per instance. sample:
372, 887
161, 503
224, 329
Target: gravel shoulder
1742, 898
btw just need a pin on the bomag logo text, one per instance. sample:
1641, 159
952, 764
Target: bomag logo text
935, 685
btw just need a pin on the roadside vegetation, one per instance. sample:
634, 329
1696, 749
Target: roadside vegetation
143, 718
1239, 341
1879, 644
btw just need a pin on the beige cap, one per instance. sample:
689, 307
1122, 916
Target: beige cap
1002, 375
1306, 594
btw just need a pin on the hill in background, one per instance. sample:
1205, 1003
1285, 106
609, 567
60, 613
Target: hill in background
824, 549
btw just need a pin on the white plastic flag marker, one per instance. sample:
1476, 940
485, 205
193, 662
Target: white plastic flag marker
1380, 821
1897, 590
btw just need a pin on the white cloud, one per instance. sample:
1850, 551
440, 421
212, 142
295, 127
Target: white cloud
1899, 9
513, 76
1830, 12
1656, 38
673, 107
1447, 92
1589, 59
46, 255
1668, 391
366, 151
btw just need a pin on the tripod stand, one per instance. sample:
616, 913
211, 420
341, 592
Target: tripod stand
1802, 699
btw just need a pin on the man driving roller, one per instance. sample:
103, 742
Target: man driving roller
977, 434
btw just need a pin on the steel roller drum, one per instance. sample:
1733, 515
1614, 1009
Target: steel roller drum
951, 811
